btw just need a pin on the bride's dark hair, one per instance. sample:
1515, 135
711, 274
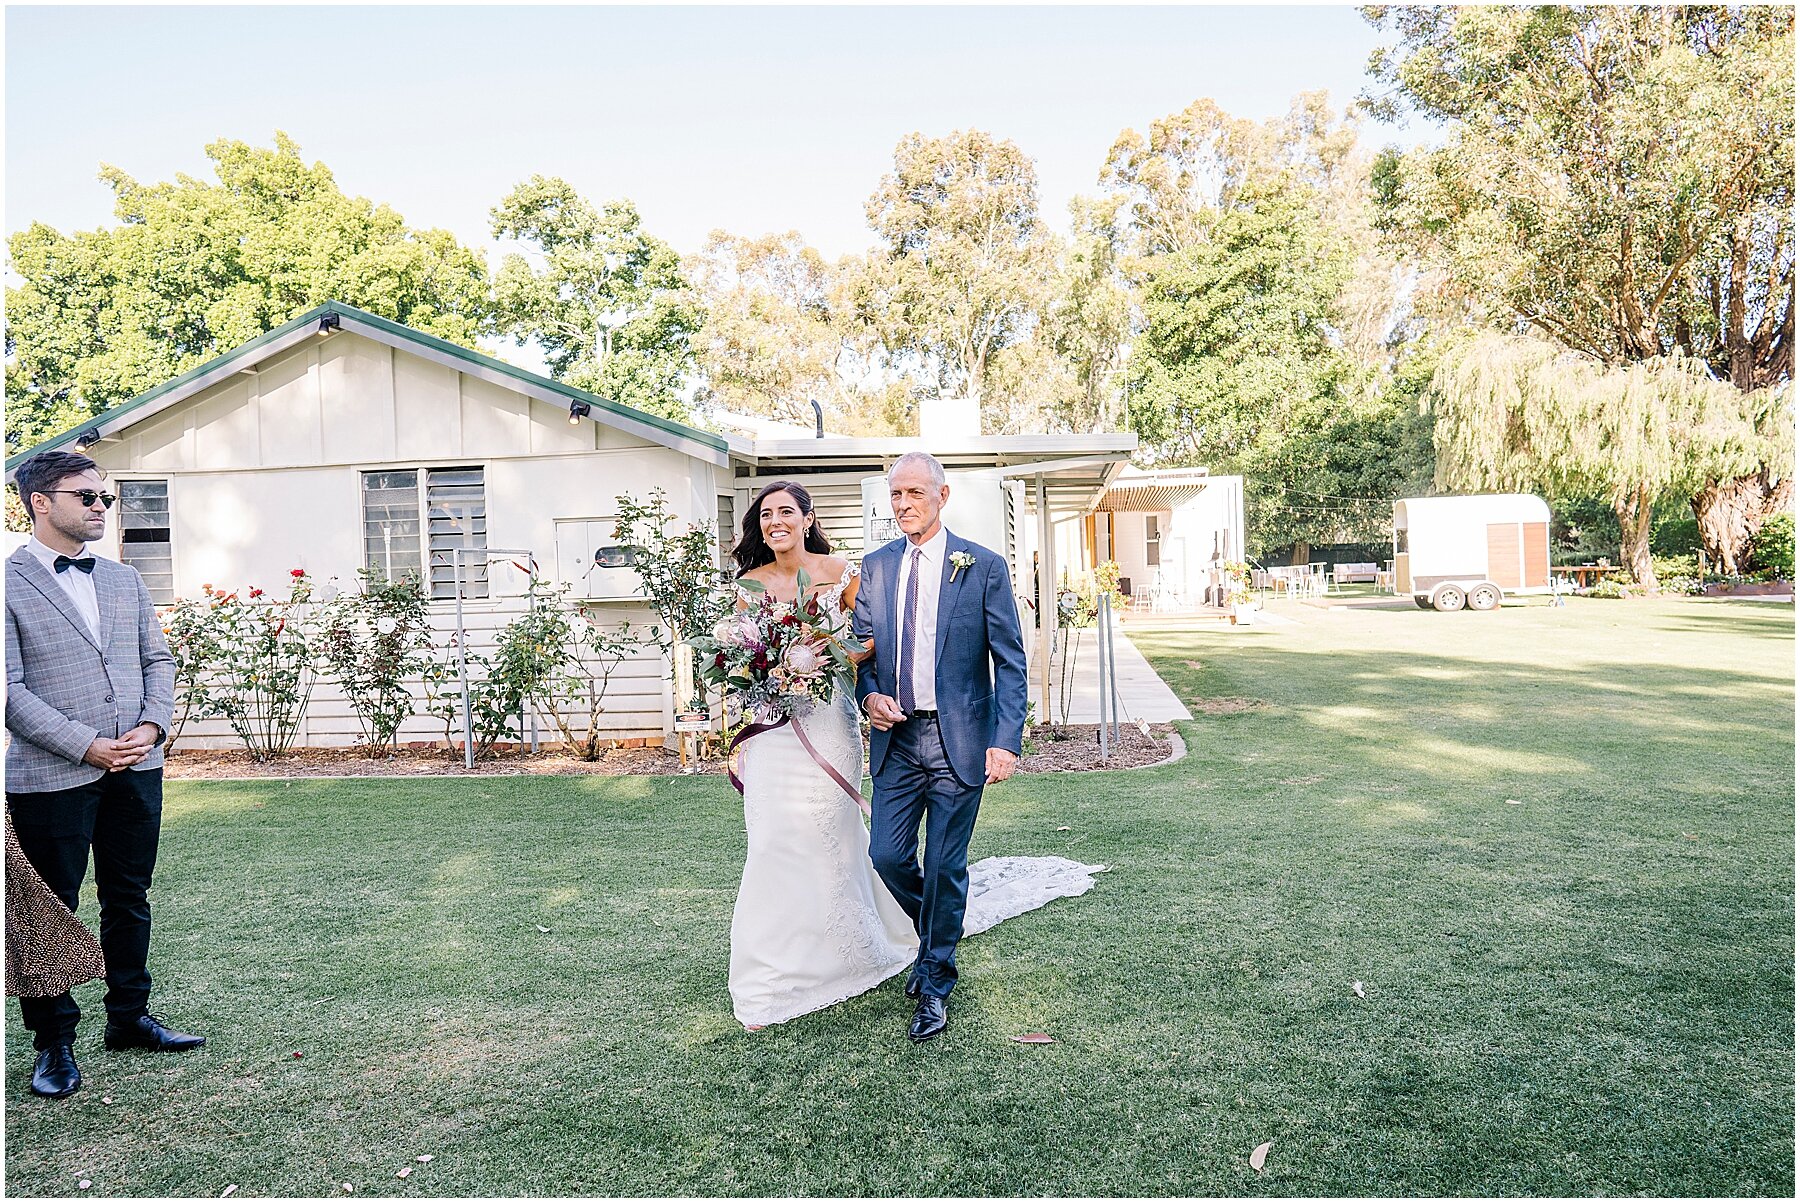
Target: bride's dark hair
752, 551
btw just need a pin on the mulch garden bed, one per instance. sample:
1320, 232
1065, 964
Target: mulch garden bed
196, 764
1079, 748
1078, 751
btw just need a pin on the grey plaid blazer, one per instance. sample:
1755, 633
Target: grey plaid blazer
63, 689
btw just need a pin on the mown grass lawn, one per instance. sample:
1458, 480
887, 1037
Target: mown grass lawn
1556, 846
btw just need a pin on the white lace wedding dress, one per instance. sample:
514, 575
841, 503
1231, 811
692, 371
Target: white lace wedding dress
813, 924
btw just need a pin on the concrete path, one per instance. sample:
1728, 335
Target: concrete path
1142, 694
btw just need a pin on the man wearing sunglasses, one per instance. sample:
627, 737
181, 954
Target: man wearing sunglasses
90, 689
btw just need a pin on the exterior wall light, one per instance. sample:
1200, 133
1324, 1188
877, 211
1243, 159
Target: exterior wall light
579, 410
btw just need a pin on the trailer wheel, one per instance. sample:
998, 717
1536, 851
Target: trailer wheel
1421, 601
1484, 597
1448, 599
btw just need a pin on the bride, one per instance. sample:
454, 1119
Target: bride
814, 924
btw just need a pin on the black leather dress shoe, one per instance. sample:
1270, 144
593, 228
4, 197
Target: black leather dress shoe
147, 1031
55, 1076
915, 985
929, 1020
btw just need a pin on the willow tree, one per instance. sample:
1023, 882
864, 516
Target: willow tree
1522, 413
1618, 179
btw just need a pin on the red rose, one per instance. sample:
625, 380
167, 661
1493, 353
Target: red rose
256, 593
298, 572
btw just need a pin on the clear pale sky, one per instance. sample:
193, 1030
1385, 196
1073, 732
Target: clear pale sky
749, 119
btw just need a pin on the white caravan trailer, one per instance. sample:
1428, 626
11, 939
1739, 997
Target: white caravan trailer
1451, 552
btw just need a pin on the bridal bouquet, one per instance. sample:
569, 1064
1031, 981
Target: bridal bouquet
777, 659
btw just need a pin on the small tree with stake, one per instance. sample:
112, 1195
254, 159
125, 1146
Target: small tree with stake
679, 570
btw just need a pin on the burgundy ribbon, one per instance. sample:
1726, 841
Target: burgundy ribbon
755, 729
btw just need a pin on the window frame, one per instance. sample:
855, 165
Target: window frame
167, 483
475, 584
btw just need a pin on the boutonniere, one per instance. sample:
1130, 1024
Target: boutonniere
960, 560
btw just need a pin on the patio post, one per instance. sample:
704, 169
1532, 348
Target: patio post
1046, 609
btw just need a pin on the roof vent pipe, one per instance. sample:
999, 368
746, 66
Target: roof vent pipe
818, 418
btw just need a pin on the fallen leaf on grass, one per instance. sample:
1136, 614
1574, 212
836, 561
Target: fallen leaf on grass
348, 1188
1063, 828
1356, 988
296, 1054
83, 1184
1032, 1038
1686, 836
1259, 1155
106, 1100
1514, 802
405, 1173
229, 1191
1193, 663
543, 929
424, 1158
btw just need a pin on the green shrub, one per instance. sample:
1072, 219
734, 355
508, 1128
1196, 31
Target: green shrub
1773, 550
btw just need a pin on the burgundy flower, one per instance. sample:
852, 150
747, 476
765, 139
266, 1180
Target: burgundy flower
719, 660
759, 661
788, 620
298, 572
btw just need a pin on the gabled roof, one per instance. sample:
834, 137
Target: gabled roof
676, 435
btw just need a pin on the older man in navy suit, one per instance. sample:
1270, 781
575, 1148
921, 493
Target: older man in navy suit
945, 694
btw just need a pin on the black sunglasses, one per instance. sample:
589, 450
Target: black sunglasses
88, 496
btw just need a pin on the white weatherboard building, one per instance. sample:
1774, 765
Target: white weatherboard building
342, 439
1170, 530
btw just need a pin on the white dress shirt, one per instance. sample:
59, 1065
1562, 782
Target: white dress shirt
77, 584
925, 622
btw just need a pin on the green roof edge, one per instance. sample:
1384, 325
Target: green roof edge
444, 346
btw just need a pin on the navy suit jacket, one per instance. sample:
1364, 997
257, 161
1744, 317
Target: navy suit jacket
981, 686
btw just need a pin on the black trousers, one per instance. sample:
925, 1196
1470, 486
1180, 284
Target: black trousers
120, 818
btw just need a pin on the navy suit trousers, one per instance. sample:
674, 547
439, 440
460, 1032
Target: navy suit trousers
916, 782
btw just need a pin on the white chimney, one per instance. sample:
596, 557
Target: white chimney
948, 418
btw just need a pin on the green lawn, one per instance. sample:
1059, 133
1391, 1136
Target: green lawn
1588, 992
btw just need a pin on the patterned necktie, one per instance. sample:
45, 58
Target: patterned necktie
85, 564
909, 633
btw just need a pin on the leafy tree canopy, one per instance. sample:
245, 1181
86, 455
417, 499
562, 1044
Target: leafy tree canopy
782, 330
968, 266
1620, 180
196, 267
606, 300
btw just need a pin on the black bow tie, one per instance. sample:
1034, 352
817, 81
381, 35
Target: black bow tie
85, 563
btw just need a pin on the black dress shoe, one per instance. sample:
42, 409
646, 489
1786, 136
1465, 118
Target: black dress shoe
915, 985
929, 1020
147, 1031
55, 1076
